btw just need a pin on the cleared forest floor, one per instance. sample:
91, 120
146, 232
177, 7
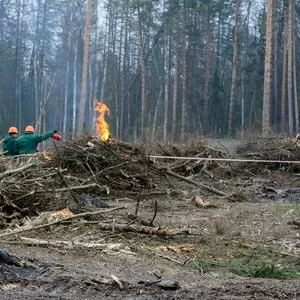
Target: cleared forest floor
241, 248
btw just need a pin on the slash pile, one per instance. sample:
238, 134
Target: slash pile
197, 149
87, 169
270, 149
78, 173
72, 173
115, 165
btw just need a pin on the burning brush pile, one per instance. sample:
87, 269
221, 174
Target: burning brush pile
87, 171
115, 166
73, 173
76, 174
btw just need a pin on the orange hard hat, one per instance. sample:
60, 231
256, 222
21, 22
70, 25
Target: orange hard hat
29, 129
13, 130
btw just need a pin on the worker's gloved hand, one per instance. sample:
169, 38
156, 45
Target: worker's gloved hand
56, 136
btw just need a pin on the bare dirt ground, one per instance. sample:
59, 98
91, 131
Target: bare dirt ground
231, 248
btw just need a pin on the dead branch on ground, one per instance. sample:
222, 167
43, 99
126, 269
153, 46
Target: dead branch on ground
86, 214
198, 184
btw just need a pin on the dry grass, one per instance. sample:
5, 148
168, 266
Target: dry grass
252, 240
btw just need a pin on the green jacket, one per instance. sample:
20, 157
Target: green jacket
27, 143
9, 145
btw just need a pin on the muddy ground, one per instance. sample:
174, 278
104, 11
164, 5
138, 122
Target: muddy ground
236, 250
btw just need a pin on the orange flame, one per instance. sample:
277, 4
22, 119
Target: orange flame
102, 127
46, 156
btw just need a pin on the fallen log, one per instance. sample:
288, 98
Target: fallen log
97, 212
70, 244
142, 229
198, 184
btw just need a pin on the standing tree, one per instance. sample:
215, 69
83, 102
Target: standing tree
82, 106
143, 72
295, 69
284, 71
234, 66
268, 71
184, 70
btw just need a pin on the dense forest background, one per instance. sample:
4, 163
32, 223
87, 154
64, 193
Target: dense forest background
167, 69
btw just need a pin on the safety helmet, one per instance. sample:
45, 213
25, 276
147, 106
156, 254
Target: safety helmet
13, 130
29, 129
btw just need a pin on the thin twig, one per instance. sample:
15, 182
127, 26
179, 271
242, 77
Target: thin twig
155, 212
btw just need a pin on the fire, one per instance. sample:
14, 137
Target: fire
101, 125
46, 156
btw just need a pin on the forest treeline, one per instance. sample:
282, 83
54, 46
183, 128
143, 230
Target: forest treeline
167, 69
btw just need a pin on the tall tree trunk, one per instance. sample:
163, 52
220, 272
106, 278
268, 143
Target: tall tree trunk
97, 69
216, 99
44, 103
234, 67
17, 62
175, 92
243, 98
143, 72
268, 71
40, 62
290, 67
275, 65
105, 60
69, 21
30, 110
42, 54
284, 77
155, 117
82, 105
119, 82
295, 74
184, 73
90, 96
207, 73
166, 102
37, 106
74, 115
35, 59
124, 72
20, 68
96, 87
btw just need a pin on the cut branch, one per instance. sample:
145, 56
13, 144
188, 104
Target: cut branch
93, 213
142, 229
198, 184
70, 244
13, 171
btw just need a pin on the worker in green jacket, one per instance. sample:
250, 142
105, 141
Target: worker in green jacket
28, 142
9, 142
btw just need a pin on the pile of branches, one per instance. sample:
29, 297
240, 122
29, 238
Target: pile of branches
71, 174
82, 174
117, 165
270, 149
196, 149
